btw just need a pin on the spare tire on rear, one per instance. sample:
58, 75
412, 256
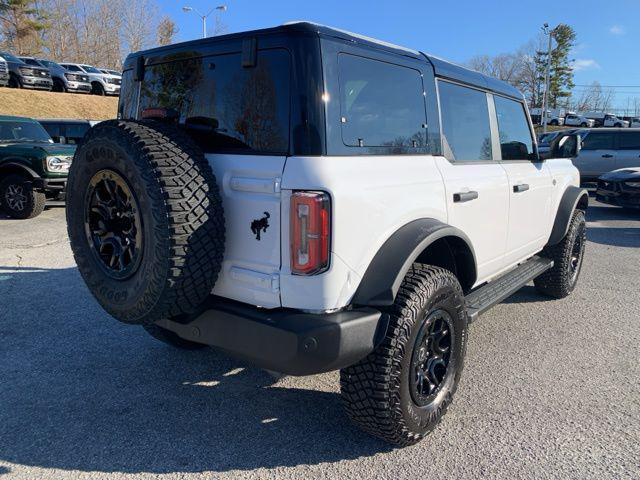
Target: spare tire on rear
145, 220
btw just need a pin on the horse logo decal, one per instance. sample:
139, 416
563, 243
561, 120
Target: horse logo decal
261, 224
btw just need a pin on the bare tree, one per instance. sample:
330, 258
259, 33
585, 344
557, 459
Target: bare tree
167, 31
138, 24
594, 98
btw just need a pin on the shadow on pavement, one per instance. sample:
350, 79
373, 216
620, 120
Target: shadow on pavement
83, 392
597, 213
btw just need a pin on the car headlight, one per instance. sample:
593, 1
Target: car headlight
633, 184
58, 164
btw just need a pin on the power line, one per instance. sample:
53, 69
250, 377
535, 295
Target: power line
607, 86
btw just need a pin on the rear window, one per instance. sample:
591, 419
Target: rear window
224, 106
382, 104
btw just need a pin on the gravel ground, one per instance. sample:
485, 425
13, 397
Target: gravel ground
550, 390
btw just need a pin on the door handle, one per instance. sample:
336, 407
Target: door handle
607, 155
462, 197
522, 187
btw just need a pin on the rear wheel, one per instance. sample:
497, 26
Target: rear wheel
401, 391
567, 256
19, 199
145, 220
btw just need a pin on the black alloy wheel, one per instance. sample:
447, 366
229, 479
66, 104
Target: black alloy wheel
431, 354
113, 224
577, 253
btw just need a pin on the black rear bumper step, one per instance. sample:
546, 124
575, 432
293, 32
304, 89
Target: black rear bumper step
485, 297
283, 340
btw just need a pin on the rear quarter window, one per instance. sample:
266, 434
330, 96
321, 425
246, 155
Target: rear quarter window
224, 106
382, 104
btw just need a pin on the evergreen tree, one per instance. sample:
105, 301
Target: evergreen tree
20, 26
561, 73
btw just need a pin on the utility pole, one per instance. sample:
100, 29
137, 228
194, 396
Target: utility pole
545, 95
221, 8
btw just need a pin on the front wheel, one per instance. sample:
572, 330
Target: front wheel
19, 199
98, 89
567, 256
583, 124
401, 391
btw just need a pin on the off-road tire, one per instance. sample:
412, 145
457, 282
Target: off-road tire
376, 391
171, 338
560, 280
34, 199
181, 215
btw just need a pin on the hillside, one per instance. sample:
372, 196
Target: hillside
28, 103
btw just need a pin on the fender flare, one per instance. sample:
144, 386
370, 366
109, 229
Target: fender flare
385, 273
21, 166
572, 198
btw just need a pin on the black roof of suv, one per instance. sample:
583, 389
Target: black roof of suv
442, 68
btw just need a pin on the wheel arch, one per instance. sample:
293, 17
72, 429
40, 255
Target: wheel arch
573, 198
17, 167
424, 240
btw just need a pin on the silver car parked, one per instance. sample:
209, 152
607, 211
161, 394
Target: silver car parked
607, 149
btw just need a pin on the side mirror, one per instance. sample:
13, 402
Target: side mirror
62, 140
565, 146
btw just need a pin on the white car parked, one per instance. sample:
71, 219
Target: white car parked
318, 201
575, 120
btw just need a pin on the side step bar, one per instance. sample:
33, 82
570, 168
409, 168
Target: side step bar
492, 293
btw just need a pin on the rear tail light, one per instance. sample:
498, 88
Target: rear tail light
310, 232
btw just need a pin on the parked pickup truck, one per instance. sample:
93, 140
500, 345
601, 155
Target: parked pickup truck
310, 199
575, 120
32, 167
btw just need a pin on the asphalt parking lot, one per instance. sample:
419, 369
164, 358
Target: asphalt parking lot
551, 389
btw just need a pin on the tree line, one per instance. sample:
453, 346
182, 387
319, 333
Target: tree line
526, 67
96, 32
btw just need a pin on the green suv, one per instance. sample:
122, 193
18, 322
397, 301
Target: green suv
32, 167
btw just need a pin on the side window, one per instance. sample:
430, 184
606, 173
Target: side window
516, 142
75, 132
54, 131
465, 123
598, 141
629, 140
224, 106
382, 105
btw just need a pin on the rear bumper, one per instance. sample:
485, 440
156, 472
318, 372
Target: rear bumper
283, 340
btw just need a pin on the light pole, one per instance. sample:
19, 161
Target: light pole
221, 8
545, 95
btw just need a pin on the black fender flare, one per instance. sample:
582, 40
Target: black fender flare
19, 165
572, 198
385, 273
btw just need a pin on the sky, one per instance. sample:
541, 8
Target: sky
607, 45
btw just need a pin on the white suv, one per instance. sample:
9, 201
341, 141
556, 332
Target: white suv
310, 200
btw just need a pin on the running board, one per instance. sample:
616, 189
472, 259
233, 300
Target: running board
492, 293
